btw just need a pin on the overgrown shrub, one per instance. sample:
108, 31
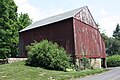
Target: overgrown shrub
85, 62
113, 61
48, 55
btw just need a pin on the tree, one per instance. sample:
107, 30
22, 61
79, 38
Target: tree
116, 41
9, 27
108, 42
23, 20
112, 45
105, 38
116, 32
115, 48
8, 16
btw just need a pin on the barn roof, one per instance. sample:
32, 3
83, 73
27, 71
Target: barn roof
53, 19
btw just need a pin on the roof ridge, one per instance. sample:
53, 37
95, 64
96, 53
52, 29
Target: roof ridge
52, 19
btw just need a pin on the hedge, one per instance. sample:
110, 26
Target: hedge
113, 61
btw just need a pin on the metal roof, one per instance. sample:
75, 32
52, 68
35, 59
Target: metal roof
53, 19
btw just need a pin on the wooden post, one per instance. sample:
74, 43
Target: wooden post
104, 64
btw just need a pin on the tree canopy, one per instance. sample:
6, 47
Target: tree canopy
113, 43
10, 24
116, 32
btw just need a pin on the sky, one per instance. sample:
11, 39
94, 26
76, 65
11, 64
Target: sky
105, 12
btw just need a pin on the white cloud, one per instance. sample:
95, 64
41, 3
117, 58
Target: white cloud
25, 7
20, 1
56, 12
109, 24
103, 12
34, 12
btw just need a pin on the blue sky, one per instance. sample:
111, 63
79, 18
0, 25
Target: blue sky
105, 12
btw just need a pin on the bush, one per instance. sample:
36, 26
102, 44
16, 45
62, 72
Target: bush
3, 56
47, 55
85, 62
113, 61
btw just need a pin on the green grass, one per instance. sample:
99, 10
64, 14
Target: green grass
18, 71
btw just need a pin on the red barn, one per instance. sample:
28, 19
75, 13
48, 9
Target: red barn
75, 30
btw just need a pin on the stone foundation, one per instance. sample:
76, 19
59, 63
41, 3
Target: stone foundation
94, 63
11, 60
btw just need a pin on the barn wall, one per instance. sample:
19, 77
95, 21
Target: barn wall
60, 32
88, 41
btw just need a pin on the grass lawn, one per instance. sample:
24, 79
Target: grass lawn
18, 71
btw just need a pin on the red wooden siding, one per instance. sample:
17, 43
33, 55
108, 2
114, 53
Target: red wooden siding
76, 37
60, 32
88, 41
85, 16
